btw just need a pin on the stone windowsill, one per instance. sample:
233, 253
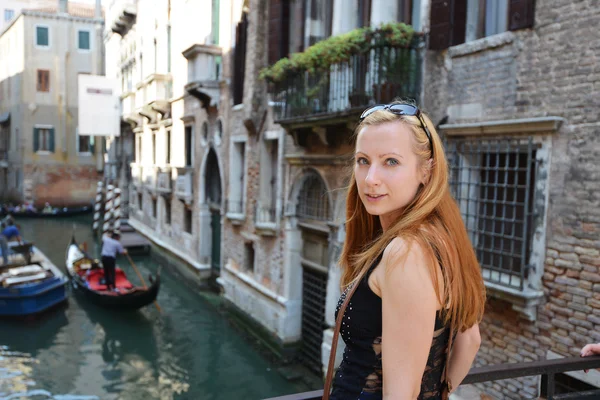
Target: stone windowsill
511, 126
482, 44
524, 301
235, 218
266, 228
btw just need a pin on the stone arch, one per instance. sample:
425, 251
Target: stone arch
302, 178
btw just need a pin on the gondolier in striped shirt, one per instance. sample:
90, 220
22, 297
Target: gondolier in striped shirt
110, 248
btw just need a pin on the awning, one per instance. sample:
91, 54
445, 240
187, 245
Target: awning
4, 118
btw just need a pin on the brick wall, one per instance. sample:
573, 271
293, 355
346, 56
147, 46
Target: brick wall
64, 185
552, 70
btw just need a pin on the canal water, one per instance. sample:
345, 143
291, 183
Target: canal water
80, 351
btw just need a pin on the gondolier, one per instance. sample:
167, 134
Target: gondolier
110, 248
89, 282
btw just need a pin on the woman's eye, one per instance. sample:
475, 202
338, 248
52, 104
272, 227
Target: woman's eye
361, 161
391, 162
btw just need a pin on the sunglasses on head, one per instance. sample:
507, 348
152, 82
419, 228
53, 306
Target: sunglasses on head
401, 109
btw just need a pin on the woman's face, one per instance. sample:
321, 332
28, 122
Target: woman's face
388, 173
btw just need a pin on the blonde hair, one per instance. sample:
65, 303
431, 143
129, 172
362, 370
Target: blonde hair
432, 220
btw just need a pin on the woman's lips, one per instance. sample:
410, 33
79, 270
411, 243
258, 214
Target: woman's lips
375, 197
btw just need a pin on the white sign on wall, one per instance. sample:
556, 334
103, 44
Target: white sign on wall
99, 106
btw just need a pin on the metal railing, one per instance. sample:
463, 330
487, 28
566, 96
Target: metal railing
544, 368
377, 76
265, 214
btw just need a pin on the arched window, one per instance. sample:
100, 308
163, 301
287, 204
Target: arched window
204, 133
313, 201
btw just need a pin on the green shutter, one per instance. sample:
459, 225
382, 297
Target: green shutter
215, 21
92, 142
36, 139
51, 140
42, 36
84, 40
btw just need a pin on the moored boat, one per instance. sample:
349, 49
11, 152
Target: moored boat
87, 278
31, 287
54, 213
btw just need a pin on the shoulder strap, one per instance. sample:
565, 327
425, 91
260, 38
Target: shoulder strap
336, 334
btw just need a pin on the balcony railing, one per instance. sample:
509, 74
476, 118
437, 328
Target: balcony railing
137, 175
150, 178
378, 76
164, 181
265, 214
204, 72
545, 368
183, 184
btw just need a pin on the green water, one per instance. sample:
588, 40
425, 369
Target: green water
80, 351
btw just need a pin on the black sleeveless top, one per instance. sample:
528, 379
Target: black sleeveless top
360, 373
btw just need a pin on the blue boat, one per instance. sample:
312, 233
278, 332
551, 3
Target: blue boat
32, 287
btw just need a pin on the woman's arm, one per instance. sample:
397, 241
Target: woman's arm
464, 348
409, 306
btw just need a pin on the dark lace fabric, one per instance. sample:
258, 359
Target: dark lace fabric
360, 373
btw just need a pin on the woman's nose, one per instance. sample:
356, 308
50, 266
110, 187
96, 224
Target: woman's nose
372, 176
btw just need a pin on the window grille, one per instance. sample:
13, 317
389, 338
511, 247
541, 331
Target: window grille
313, 202
493, 182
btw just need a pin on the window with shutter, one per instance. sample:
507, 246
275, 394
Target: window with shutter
239, 55
83, 40
448, 19
279, 25
521, 14
43, 139
42, 36
43, 80
440, 24
36, 139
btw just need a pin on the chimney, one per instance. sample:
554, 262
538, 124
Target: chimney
98, 13
62, 6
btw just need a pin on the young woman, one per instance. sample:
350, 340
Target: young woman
408, 251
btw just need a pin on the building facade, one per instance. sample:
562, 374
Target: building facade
519, 105
175, 115
43, 51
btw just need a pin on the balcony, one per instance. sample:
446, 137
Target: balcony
136, 175
128, 108
164, 181
153, 96
204, 73
184, 184
378, 75
150, 178
121, 15
265, 219
548, 369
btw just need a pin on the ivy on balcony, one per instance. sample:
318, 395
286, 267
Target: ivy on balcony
339, 49
347, 72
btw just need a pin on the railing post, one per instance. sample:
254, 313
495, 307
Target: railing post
550, 386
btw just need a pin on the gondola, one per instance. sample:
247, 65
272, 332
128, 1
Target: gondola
55, 213
86, 274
